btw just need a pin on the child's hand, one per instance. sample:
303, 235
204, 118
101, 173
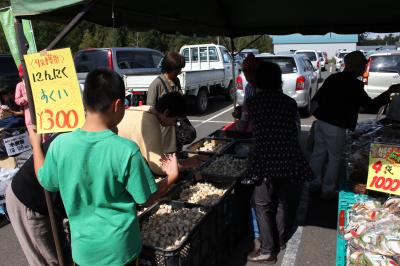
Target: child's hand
169, 164
34, 138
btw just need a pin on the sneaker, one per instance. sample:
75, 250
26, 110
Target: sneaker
256, 249
265, 258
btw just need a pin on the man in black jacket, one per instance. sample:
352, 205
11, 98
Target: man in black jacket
339, 100
27, 209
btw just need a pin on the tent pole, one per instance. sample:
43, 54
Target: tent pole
250, 43
70, 26
23, 48
233, 89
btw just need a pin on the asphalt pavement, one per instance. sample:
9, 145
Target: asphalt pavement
311, 243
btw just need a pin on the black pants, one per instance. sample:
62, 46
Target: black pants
271, 208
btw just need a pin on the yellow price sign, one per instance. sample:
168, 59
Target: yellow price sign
384, 168
56, 91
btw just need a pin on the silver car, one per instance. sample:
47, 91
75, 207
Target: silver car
300, 79
382, 71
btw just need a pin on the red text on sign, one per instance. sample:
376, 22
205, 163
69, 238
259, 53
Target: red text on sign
385, 183
61, 119
377, 166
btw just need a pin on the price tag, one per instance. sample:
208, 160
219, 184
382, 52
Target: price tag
17, 144
384, 169
56, 91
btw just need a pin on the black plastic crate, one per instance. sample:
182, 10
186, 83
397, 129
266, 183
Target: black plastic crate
230, 134
194, 251
174, 193
217, 177
221, 212
222, 143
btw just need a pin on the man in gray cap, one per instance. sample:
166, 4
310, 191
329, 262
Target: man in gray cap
338, 102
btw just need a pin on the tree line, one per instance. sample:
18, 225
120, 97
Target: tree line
90, 35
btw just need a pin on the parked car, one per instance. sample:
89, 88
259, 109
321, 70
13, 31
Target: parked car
137, 66
300, 80
8, 71
208, 71
245, 52
383, 70
321, 60
339, 58
314, 58
326, 58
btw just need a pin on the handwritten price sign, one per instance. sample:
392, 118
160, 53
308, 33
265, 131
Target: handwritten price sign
56, 91
384, 169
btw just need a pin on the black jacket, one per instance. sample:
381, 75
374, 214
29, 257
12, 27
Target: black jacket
340, 97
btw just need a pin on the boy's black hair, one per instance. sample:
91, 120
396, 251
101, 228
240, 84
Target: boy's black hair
102, 87
268, 77
172, 61
174, 103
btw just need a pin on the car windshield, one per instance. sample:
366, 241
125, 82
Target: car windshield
320, 55
342, 55
287, 64
310, 55
86, 61
385, 63
7, 66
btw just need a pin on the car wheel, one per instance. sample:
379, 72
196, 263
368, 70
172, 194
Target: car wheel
306, 110
202, 101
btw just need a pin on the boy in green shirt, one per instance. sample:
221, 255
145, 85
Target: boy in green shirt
101, 177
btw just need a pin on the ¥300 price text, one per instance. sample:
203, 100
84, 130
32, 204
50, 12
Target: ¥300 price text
61, 119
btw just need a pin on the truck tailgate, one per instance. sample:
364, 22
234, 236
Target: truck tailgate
139, 82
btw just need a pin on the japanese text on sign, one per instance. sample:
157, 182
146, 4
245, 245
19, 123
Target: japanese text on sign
17, 144
56, 91
384, 169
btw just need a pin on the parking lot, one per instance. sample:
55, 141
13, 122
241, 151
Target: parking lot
311, 244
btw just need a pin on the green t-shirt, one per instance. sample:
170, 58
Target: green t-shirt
101, 178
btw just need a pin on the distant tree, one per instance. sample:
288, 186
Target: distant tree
4, 3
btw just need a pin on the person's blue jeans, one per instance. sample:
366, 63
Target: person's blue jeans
254, 224
12, 122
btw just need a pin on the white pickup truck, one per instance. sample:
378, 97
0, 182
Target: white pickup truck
208, 70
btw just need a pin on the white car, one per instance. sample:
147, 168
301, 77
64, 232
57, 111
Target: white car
300, 80
314, 58
339, 58
321, 60
383, 70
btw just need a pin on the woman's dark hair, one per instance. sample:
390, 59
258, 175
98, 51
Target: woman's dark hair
172, 61
6, 89
102, 87
269, 77
174, 103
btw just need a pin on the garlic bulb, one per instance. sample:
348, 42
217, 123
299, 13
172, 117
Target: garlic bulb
210, 145
169, 227
201, 193
226, 165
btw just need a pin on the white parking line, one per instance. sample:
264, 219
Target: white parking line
220, 122
215, 116
289, 259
